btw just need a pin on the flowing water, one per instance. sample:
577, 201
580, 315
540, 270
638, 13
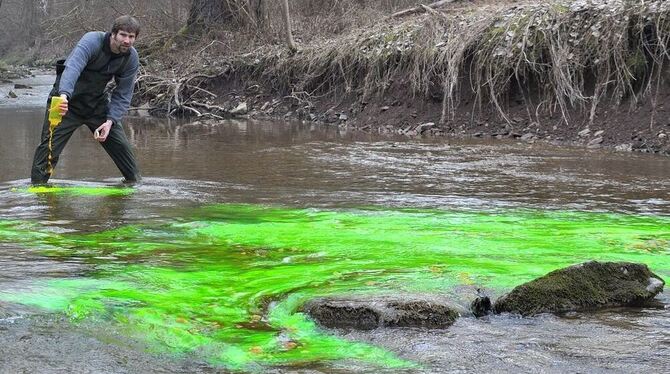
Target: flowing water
203, 266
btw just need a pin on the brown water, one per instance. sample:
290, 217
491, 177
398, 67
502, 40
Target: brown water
304, 166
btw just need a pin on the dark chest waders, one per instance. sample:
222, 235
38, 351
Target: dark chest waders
88, 105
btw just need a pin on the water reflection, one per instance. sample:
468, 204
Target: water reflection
308, 165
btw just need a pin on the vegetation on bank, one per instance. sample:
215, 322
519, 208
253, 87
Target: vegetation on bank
557, 57
565, 58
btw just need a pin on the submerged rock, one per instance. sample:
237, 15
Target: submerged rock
371, 313
481, 306
586, 286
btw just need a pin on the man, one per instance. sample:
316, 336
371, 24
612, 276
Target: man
97, 59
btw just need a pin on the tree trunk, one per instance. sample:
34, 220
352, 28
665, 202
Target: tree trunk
174, 13
205, 15
287, 26
30, 19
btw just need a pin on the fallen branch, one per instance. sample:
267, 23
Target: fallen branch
422, 8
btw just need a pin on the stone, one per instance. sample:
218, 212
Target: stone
12, 95
588, 286
595, 141
425, 127
662, 135
367, 313
481, 306
19, 86
343, 117
384, 108
627, 147
598, 133
527, 136
584, 133
241, 108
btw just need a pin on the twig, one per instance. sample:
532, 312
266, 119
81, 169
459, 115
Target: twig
421, 8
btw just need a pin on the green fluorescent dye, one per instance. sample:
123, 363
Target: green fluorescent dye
225, 282
80, 190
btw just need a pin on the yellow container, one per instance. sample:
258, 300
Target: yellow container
54, 112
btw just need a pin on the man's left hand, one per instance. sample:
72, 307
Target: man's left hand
102, 132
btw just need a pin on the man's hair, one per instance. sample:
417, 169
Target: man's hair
127, 24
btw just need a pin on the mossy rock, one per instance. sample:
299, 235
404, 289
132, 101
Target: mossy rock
587, 286
367, 313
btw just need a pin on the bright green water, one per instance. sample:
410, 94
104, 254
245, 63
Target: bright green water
224, 282
79, 190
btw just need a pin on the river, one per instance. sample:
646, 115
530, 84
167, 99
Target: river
203, 266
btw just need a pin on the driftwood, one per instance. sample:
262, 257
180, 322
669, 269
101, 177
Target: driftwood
180, 95
422, 8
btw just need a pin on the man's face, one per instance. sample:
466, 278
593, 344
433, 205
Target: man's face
122, 41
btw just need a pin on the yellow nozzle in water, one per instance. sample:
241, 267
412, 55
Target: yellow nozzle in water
54, 111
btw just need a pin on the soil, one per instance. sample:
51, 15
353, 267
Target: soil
624, 128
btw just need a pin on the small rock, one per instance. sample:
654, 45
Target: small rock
343, 117
143, 110
478, 134
481, 306
662, 136
624, 147
18, 86
384, 108
584, 133
598, 133
528, 136
241, 108
595, 141
12, 95
425, 127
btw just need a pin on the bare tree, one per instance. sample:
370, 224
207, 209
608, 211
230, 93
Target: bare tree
287, 25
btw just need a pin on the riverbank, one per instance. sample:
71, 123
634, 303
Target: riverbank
570, 72
587, 73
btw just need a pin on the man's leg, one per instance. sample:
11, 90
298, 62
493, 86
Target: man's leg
61, 134
118, 148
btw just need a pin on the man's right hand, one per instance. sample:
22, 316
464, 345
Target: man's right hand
63, 104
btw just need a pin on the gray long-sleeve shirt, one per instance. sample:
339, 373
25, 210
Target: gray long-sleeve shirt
82, 54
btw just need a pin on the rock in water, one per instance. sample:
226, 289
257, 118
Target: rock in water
241, 108
480, 306
371, 313
588, 286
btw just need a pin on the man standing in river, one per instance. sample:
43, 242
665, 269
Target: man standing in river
97, 59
